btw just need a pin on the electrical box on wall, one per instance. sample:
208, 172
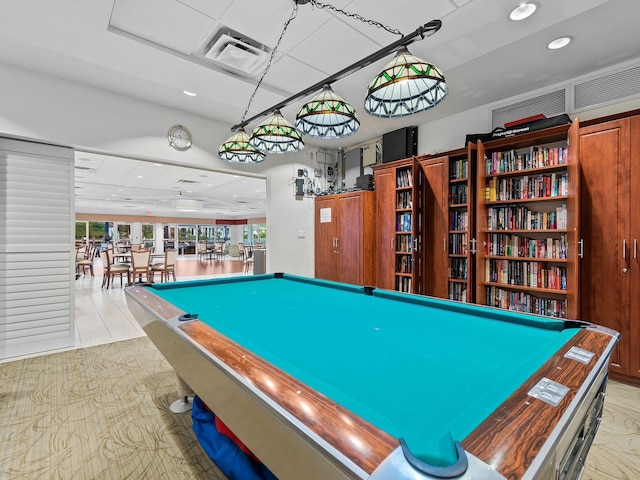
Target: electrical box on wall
299, 187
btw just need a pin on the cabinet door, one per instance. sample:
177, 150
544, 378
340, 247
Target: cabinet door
385, 182
350, 246
326, 235
604, 226
435, 214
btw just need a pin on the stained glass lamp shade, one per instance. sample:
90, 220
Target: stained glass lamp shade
276, 135
407, 85
327, 116
238, 150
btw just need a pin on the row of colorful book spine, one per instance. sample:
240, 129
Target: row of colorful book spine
526, 274
519, 217
525, 302
525, 159
509, 245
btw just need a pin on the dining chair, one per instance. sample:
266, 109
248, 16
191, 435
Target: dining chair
140, 265
84, 259
247, 259
166, 267
203, 249
110, 270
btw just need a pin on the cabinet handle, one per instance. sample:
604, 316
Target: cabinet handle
444, 244
624, 248
635, 248
473, 246
392, 243
581, 251
415, 244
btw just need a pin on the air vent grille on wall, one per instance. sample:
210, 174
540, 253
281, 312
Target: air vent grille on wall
238, 54
610, 88
549, 104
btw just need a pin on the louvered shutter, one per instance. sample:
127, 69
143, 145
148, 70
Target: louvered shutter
37, 262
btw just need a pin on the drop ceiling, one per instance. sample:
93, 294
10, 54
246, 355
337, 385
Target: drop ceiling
155, 49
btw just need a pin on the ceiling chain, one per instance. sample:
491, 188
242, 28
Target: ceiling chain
293, 15
356, 16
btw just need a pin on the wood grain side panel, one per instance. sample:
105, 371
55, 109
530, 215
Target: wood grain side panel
512, 436
436, 218
603, 223
336, 425
161, 307
385, 213
634, 253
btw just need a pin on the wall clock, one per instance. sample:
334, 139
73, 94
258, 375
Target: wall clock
179, 138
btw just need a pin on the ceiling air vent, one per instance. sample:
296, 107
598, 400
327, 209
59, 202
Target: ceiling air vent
549, 104
238, 54
612, 88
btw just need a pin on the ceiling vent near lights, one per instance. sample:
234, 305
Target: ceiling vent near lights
239, 54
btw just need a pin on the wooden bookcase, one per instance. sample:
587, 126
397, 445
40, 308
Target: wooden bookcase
527, 222
449, 219
344, 237
398, 225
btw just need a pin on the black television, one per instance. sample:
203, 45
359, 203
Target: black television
401, 143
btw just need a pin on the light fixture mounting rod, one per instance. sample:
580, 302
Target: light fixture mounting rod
420, 33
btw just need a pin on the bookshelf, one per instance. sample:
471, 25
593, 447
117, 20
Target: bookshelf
398, 222
527, 223
461, 219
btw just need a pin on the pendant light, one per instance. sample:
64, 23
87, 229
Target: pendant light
405, 86
327, 115
237, 149
276, 135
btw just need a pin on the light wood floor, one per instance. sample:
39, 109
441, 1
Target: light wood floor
103, 317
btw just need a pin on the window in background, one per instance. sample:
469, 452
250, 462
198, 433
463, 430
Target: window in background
222, 233
187, 239
255, 234
124, 231
82, 232
147, 235
205, 233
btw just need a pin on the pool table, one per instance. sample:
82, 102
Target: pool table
323, 380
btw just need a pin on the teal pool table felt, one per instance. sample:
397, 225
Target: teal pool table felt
419, 368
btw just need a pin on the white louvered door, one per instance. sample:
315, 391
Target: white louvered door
36, 248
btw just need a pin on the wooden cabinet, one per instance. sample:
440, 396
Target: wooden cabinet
399, 222
448, 214
344, 233
610, 229
527, 223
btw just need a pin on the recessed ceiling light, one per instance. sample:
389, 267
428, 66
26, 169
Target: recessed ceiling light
140, 176
522, 11
189, 94
158, 164
559, 43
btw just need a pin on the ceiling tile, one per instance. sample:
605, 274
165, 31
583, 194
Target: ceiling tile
213, 9
174, 25
346, 46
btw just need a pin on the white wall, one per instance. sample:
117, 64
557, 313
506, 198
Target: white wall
40, 107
